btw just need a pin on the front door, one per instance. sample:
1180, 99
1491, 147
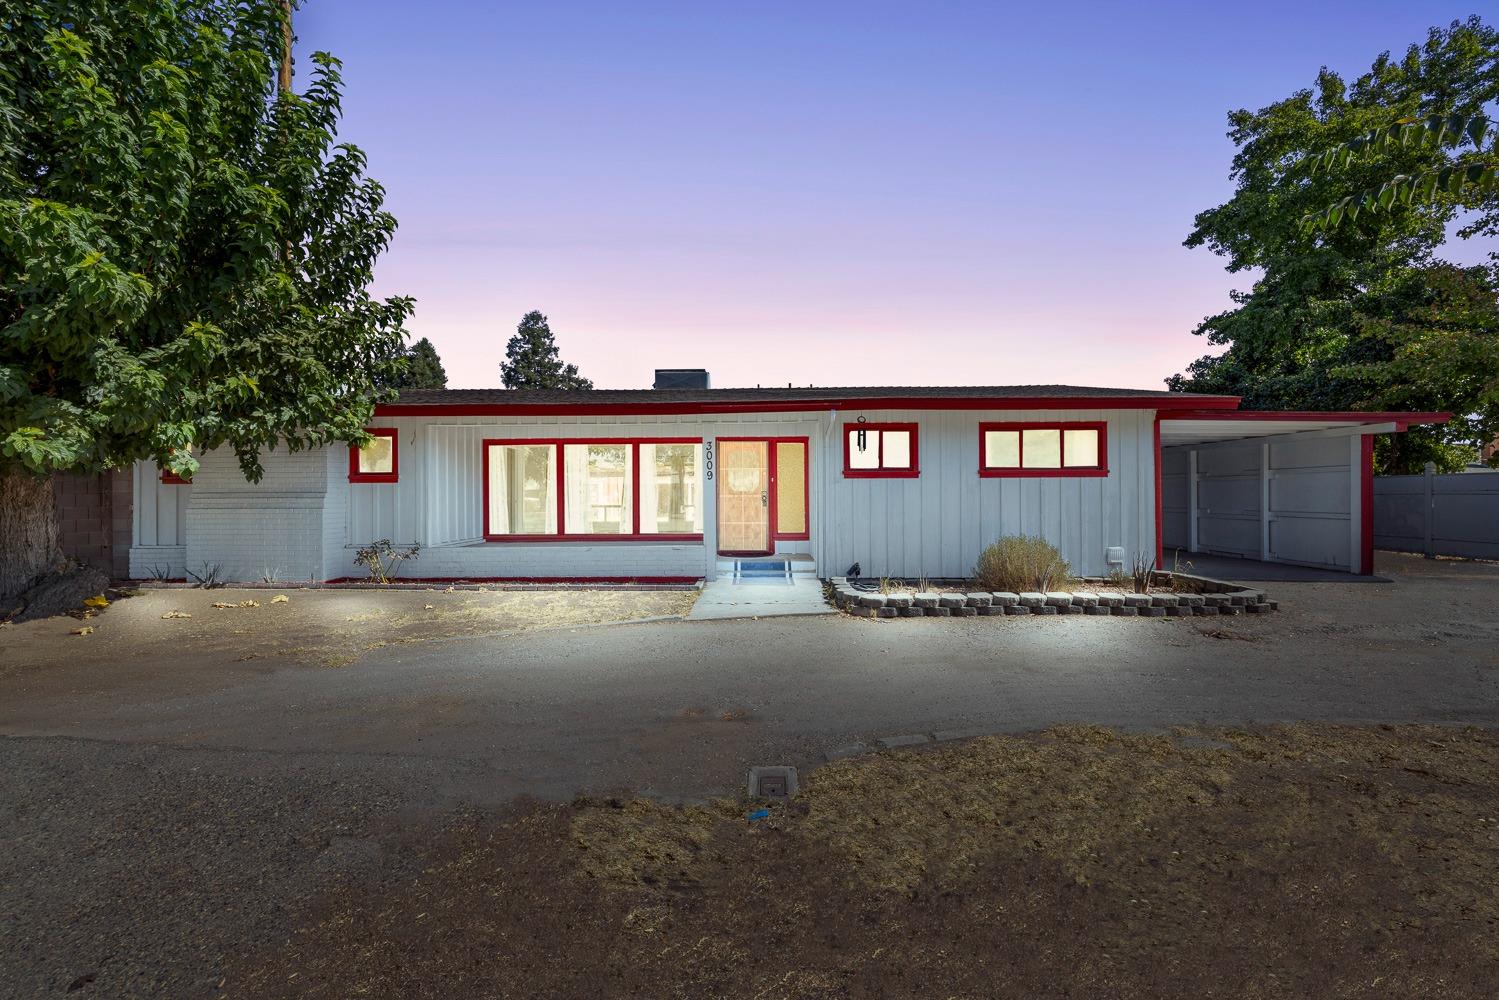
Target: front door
744, 497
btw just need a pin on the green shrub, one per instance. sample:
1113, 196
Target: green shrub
1021, 562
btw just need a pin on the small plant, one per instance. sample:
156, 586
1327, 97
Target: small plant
269, 575
1021, 562
923, 586
384, 560
887, 585
1177, 569
1142, 567
1118, 579
160, 574
209, 578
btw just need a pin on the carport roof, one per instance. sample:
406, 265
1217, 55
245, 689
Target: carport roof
1204, 426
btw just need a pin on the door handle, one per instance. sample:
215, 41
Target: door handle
764, 499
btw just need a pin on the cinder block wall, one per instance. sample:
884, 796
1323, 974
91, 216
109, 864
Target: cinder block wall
93, 513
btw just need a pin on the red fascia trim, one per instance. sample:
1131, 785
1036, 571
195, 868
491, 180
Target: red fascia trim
881, 473
526, 579
1403, 419
394, 475
1160, 545
635, 534
1086, 471
1366, 504
1211, 403
169, 478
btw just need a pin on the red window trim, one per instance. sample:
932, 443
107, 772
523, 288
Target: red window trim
635, 534
394, 475
170, 478
1094, 471
882, 473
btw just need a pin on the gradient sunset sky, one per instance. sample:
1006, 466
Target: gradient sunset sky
820, 193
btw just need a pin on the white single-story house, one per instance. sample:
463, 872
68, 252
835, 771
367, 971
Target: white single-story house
675, 484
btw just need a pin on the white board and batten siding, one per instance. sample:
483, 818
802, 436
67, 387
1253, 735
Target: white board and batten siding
158, 520
305, 519
936, 525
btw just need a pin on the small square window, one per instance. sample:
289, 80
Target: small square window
376, 462
880, 450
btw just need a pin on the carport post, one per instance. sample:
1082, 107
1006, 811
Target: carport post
1427, 514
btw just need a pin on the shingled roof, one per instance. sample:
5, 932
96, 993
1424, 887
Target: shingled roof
789, 395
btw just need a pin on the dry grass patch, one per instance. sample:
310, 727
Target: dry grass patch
1275, 863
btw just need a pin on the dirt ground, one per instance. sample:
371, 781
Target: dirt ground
330, 628
1289, 861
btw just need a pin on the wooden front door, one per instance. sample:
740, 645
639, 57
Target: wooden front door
744, 497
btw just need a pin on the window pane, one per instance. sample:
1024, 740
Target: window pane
670, 491
863, 449
791, 487
1001, 449
1043, 448
597, 481
1080, 448
378, 457
897, 450
523, 489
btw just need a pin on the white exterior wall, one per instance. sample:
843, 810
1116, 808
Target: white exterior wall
305, 519
158, 519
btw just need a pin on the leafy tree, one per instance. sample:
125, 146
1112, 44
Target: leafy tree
1361, 316
184, 251
531, 360
423, 368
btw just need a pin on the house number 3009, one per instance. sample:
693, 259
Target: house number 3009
708, 459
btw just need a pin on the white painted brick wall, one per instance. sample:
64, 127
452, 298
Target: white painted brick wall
270, 528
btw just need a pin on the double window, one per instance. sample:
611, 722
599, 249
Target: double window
376, 462
547, 490
880, 451
1044, 449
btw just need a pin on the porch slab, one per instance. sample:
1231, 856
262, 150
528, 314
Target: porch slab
726, 598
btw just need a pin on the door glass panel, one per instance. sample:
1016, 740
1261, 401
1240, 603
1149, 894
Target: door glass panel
743, 496
791, 488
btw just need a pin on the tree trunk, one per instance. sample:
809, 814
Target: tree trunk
29, 540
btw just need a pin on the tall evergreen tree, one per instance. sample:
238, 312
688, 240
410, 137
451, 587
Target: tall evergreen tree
423, 368
531, 360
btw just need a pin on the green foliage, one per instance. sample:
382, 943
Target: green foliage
183, 253
531, 360
1461, 174
1361, 316
423, 368
384, 560
1021, 562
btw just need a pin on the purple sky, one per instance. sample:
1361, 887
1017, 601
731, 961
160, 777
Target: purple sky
836, 194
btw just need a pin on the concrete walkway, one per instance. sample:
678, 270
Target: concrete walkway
728, 598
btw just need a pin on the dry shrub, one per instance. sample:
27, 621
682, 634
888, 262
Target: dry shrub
1021, 562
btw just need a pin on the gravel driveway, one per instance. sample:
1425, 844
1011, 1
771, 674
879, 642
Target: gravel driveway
164, 803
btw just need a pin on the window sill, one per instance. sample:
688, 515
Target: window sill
881, 473
591, 539
1043, 473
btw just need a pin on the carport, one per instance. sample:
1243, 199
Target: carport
1276, 486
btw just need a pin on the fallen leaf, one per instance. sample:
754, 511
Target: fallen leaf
280, 599
97, 601
249, 604
224, 604
174, 613
85, 630
429, 607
